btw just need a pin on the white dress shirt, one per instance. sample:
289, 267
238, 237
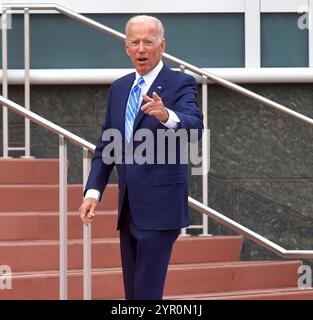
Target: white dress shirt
171, 123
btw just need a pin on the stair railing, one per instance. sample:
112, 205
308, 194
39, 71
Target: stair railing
88, 148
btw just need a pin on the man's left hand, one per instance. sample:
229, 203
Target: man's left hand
155, 107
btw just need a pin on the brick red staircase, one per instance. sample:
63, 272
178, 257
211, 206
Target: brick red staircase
201, 267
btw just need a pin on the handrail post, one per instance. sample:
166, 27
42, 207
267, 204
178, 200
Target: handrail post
205, 153
87, 232
63, 215
27, 80
183, 230
5, 121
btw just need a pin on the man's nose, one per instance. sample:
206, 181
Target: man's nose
141, 46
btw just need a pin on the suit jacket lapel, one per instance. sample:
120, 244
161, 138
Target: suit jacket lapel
157, 86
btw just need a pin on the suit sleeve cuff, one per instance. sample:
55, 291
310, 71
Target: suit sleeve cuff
92, 193
172, 121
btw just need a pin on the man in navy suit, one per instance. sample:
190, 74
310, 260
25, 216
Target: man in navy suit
153, 197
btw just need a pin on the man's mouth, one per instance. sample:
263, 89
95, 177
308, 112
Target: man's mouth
141, 60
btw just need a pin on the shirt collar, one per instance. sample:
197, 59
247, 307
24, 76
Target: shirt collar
151, 75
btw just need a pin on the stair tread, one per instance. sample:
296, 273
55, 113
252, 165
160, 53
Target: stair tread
36, 185
237, 293
109, 240
53, 213
54, 242
29, 171
45, 197
227, 264
183, 266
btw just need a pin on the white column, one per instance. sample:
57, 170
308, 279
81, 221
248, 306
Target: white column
252, 34
310, 24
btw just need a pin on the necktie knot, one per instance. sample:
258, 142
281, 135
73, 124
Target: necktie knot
140, 82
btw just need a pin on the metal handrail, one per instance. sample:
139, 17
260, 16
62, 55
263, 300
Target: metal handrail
255, 237
215, 215
49, 125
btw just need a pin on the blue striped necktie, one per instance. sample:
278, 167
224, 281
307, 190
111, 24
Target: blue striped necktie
132, 108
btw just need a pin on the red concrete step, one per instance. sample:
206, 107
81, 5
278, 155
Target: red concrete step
46, 197
292, 293
231, 276
206, 249
181, 279
44, 255
45, 225
29, 171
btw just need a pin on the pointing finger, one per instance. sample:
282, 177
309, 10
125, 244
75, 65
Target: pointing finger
156, 97
146, 98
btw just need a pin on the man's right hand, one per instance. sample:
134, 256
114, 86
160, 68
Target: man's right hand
87, 210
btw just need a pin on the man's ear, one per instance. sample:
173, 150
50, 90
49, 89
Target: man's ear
163, 45
126, 48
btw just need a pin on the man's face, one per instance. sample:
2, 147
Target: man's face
143, 46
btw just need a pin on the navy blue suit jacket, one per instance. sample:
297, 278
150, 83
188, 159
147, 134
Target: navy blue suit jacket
158, 193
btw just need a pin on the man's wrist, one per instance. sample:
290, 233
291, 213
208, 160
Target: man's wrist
92, 193
166, 115
172, 120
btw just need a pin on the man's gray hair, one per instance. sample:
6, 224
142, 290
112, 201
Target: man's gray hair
143, 19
